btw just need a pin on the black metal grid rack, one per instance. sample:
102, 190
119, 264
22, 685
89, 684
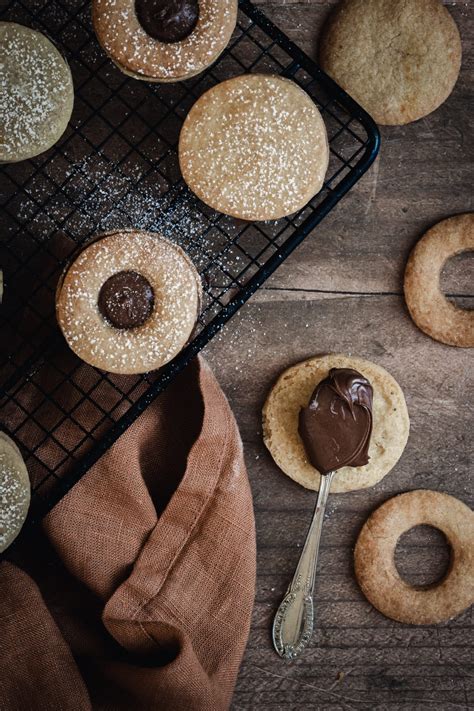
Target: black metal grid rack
117, 167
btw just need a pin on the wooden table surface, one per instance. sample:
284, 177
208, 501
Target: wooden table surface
342, 291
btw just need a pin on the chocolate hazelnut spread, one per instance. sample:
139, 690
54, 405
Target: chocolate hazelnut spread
167, 20
337, 423
126, 300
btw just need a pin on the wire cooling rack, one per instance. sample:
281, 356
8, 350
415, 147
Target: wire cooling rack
117, 167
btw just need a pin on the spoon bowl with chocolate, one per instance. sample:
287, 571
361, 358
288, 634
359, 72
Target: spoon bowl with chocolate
336, 428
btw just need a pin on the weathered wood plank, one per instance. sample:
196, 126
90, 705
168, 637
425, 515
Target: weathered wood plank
388, 665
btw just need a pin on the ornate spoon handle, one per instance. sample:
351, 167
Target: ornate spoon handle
293, 623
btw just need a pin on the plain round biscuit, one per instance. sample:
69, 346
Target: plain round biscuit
36, 93
293, 390
400, 60
14, 491
254, 147
143, 57
428, 306
375, 567
177, 288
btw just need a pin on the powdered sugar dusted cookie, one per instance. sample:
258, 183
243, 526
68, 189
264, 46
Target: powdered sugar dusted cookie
36, 93
14, 491
129, 302
254, 147
399, 59
164, 40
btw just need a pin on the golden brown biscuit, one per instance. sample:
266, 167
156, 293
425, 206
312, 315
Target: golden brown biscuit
254, 147
400, 60
14, 491
428, 306
160, 304
142, 56
36, 93
293, 390
375, 566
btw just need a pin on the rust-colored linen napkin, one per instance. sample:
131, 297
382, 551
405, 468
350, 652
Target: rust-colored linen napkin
148, 602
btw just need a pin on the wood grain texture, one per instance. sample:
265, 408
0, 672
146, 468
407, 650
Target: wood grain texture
341, 291
423, 174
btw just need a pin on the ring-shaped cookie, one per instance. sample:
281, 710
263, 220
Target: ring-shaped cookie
139, 55
177, 293
428, 306
375, 565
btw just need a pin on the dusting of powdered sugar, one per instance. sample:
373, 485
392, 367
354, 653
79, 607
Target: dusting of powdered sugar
35, 92
254, 146
14, 494
176, 287
105, 196
125, 40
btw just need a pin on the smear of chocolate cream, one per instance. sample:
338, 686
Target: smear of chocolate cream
337, 423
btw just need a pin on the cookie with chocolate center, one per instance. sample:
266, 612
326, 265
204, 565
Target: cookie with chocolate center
129, 302
164, 40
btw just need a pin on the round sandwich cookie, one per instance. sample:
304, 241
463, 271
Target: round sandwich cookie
129, 302
14, 491
377, 573
164, 40
400, 60
291, 394
428, 306
36, 93
254, 147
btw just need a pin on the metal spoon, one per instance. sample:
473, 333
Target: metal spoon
293, 623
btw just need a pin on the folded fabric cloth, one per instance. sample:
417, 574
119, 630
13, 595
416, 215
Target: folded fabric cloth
150, 605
